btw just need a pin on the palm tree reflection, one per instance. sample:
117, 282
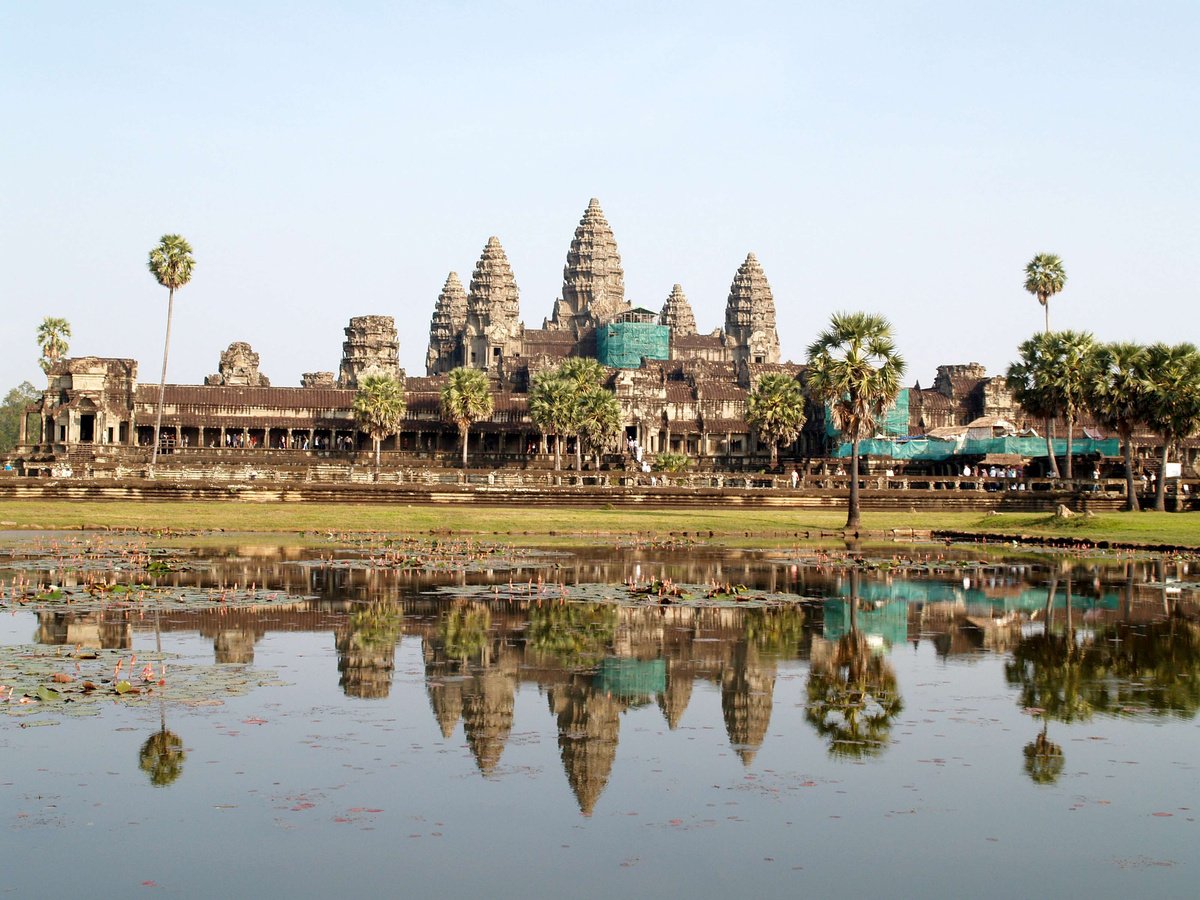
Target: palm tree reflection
853, 696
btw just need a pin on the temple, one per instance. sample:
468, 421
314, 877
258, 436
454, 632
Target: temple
680, 390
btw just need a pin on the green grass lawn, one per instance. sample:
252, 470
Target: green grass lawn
1148, 527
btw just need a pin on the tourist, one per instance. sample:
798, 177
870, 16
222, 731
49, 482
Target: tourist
795, 479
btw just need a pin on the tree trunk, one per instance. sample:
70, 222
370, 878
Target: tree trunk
853, 518
1131, 499
1160, 493
464, 432
1050, 451
378, 445
1046, 307
1070, 428
162, 384
578, 453
774, 455
557, 453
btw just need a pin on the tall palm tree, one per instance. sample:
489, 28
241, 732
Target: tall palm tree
1173, 401
1118, 399
1075, 374
855, 368
379, 407
582, 375
550, 401
599, 420
466, 398
52, 337
171, 263
1032, 383
777, 411
1045, 277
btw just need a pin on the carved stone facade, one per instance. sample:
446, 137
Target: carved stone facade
371, 343
677, 314
238, 366
317, 380
493, 328
593, 281
750, 331
446, 328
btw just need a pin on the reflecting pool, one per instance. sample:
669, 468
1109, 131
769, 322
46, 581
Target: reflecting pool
659, 719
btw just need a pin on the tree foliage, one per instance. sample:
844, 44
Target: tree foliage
776, 410
52, 336
1173, 399
466, 398
1045, 277
1118, 397
855, 368
171, 263
379, 407
11, 411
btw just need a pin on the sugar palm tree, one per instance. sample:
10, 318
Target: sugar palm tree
379, 407
855, 368
1173, 401
1118, 398
1075, 353
599, 420
1045, 277
52, 337
582, 375
777, 411
171, 263
550, 407
466, 398
1031, 381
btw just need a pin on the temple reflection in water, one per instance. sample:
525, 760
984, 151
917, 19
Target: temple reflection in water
1094, 629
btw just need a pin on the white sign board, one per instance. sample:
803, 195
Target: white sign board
1172, 470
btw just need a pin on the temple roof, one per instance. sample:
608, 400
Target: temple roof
494, 296
677, 313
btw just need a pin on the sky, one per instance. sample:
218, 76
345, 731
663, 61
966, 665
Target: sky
330, 160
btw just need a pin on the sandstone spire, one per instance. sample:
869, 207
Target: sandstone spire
493, 307
371, 343
448, 321
677, 314
593, 281
750, 316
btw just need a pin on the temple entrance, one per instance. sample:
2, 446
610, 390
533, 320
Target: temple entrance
87, 429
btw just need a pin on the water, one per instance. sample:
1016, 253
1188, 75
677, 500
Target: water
870, 739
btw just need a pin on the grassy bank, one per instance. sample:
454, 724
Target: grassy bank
1155, 528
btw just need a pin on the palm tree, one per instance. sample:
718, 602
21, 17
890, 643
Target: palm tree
1045, 277
1118, 399
599, 420
582, 375
1173, 401
52, 337
466, 398
1074, 375
379, 407
550, 400
1032, 383
777, 411
855, 368
171, 263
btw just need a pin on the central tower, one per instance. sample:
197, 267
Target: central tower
593, 282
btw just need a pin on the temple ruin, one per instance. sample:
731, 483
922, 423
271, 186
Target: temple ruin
680, 390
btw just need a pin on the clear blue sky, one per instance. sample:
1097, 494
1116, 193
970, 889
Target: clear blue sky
331, 160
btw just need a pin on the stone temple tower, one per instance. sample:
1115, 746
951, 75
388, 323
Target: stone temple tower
750, 334
677, 314
446, 327
593, 281
493, 330
371, 343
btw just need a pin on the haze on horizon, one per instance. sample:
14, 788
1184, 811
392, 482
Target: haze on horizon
900, 158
